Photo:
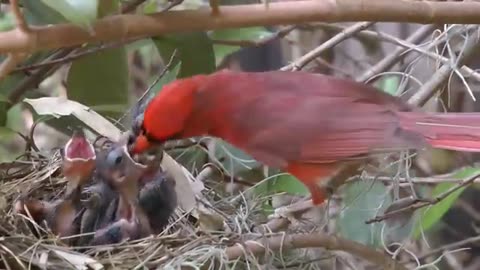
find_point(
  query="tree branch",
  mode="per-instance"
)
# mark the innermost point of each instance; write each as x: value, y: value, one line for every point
x: 120, y: 27
x: 391, y: 59
x: 330, y: 242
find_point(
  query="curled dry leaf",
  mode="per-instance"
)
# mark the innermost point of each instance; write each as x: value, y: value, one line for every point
x: 186, y: 185
x: 58, y: 107
x: 188, y: 188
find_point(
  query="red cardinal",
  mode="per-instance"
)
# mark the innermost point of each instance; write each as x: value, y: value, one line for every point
x: 310, y: 125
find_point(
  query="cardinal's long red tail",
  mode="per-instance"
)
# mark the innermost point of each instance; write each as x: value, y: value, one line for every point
x: 453, y: 131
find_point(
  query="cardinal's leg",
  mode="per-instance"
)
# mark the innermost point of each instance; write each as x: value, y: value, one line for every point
x: 322, y: 180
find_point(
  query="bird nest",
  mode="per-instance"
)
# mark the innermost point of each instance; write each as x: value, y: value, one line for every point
x: 208, y: 239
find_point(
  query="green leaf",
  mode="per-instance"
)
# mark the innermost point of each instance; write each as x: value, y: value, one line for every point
x: 100, y: 79
x: 234, y: 160
x: 290, y: 184
x: 3, y: 98
x: 3, y: 113
x: 390, y: 85
x: 194, y: 51
x: 249, y: 33
x: 107, y: 7
x: 6, y: 134
x: 36, y: 12
x: 5, y: 87
x: 430, y: 215
x: 80, y: 12
x: 363, y: 200
x: 7, y: 22
x: 150, y: 7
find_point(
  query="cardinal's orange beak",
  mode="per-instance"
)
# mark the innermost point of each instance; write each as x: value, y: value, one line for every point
x: 141, y: 144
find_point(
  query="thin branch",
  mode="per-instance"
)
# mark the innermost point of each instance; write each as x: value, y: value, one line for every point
x: 22, y: 28
x: 149, y: 89
x: 296, y: 241
x: 256, y: 43
x: 416, y: 180
x: 467, y: 72
x: 172, y: 4
x: 312, y: 55
x: 34, y: 79
x: 120, y: 27
x: 448, y: 247
x: 131, y: 6
x: 74, y: 56
x: 420, y: 203
x: 390, y: 60
x: 431, y: 86
x: 10, y: 63
x: 215, y: 6
x: 19, y: 18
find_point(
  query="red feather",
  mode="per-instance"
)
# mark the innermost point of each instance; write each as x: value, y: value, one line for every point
x: 301, y: 122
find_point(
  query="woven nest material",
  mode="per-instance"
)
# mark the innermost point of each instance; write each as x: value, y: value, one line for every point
x: 186, y: 242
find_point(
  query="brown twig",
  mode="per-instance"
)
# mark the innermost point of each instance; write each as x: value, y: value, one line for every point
x: 214, y: 5
x: 140, y: 100
x: 131, y: 6
x: 10, y: 63
x: 256, y: 43
x: 390, y: 60
x: 420, y: 203
x: 172, y: 4
x: 417, y: 180
x: 34, y: 79
x: 23, y: 30
x: 119, y: 27
x: 74, y: 56
x: 442, y: 74
x: 312, y: 55
x: 296, y: 241
x: 19, y: 19
x: 447, y: 247
x: 466, y: 71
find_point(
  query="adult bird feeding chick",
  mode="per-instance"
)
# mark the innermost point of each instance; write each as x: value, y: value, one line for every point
x: 312, y: 126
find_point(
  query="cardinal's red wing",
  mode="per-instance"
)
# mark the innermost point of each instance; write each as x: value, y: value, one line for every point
x: 325, y: 120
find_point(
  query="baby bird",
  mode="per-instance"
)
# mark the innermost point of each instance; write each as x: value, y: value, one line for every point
x: 62, y: 215
x: 158, y: 199
x: 131, y: 221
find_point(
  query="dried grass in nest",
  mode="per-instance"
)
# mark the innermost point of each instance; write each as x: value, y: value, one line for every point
x: 182, y: 244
